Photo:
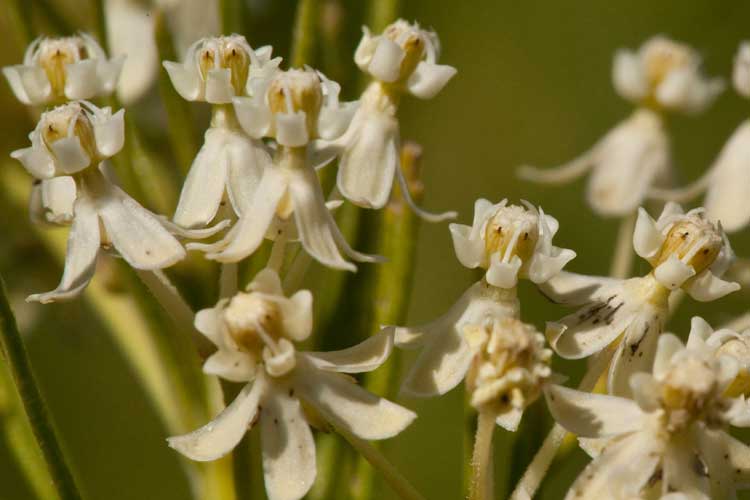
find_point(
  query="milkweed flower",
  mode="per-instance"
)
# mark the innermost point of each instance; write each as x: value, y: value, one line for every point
x: 672, y: 437
x: 229, y: 164
x: 662, y: 75
x: 403, y: 59
x: 510, y: 368
x: 56, y: 70
x: 685, y: 250
x: 74, y: 140
x: 292, y: 107
x: 509, y: 242
x: 254, y: 333
x: 51, y: 200
x: 726, y: 181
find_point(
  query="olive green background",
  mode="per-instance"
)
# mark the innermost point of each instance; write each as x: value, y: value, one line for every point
x: 533, y: 86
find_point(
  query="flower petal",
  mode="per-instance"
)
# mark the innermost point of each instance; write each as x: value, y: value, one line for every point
x: 429, y: 79
x: 16, y: 84
x: 636, y: 352
x: 109, y: 72
x: 727, y: 459
x: 80, y: 258
x: 137, y: 233
x: 247, y: 160
x: 234, y: 366
x: 254, y: 117
x: 726, y: 199
x: 370, y: 159
x: 683, y: 470
x: 110, y: 134
x: 575, y: 289
x: 81, y: 81
x: 130, y: 30
x: 592, y: 415
x: 363, y: 357
x: 37, y: 161
x: 221, y: 435
x: 628, y: 77
x: 666, y: 348
x: 186, y: 81
x: 289, y: 466
x: 334, y: 121
x: 58, y: 198
x: 347, y: 405
x: 647, y: 239
x: 510, y: 419
x: 298, y: 315
x: 35, y: 83
x: 249, y: 231
x: 291, y: 129
x: 70, y: 157
x: 205, y: 183
x: 707, y: 287
x: 420, y: 212
x: 542, y: 267
x: 219, y: 86
x: 208, y: 321
x: 672, y: 273
x: 700, y: 331
x: 468, y: 251
x: 385, y: 64
x: 503, y: 274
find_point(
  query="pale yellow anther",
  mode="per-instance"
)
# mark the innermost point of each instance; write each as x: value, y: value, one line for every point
x: 694, y: 240
x: 252, y: 321
x: 512, y: 231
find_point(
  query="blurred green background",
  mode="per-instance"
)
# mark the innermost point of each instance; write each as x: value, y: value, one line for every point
x: 533, y: 87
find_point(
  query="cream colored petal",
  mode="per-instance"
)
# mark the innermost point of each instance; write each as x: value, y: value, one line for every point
x: 628, y: 77
x: 219, y: 88
x: 469, y: 252
x: 673, y: 273
x: 108, y: 73
x: 503, y: 274
x: 728, y: 200
x: 205, y: 184
x: 727, y: 459
x: 543, y: 267
x: 208, y: 321
x: 385, y: 64
x: 636, y: 351
x: 646, y: 391
x: 110, y: 134
x: 136, y: 233
x: 223, y: 433
x: 575, y: 289
x: 289, y: 466
x: 70, y: 157
x: 700, y: 331
x: 420, y: 212
x: 81, y: 80
x: 267, y: 281
x: 668, y: 345
x: 234, y: 366
x: 80, y: 257
x: 647, y: 238
x: 741, y: 70
x: 247, y: 160
x: 683, y: 470
x: 35, y: 83
x: 254, y: 116
x: 707, y: 287
x: 186, y: 81
x: 291, y: 129
x: 510, y: 419
x: 429, y: 79
x: 58, y: 197
x: 365, y: 49
x: 334, y: 121
x: 349, y: 406
x: 363, y: 357
x: 593, y: 415
x: 368, y: 164
x: 16, y: 84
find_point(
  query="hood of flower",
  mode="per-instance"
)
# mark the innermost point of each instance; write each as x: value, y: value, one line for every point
x: 54, y: 54
x: 510, y: 366
x: 413, y: 41
x: 512, y: 231
x: 69, y: 120
x: 226, y: 52
x: 252, y: 320
x: 693, y: 239
x: 295, y: 91
x: 662, y: 56
x: 736, y: 346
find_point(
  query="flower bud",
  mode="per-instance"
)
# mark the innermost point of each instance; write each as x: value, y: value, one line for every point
x: 251, y: 319
x: 694, y: 240
x: 512, y: 231
x: 510, y: 366
x: 296, y: 91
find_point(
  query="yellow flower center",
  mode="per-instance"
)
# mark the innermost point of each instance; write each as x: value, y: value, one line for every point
x: 663, y: 56
x: 295, y: 91
x: 512, y: 231
x: 55, y: 54
x: 694, y: 240
x: 411, y: 40
x: 226, y: 53
x: 67, y: 121
x: 252, y: 321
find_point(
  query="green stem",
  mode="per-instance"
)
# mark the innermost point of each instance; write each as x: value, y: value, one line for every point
x: 100, y: 22
x: 18, y: 17
x: 57, y: 21
x: 36, y: 411
x: 303, y: 36
x: 382, y: 13
x: 232, y: 16
x: 481, y: 487
x: 622, y: 260
x: 398, y: 483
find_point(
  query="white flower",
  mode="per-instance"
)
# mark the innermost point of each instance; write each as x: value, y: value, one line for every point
x: 74, y: 140
x: 509, y: 370
x: 216, y: 69
x: 665, y: 74
x: 61, y: 69
x: 672, y: 437
x: 508, y: 241
x: 51, y: 200
x: 130, y: 30
x: 626, y: 163
x: 685, y: 250
x: 293, y: 109
x: 401, y: 60
x: 254, y: 332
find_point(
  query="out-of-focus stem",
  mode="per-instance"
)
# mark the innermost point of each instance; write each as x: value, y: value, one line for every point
x: 623, y: 257
x: 482, y: 484
x: 398, y: 483
x: 232, y: 16
x: 382, y: 13
x: 100, y: 16
x: 303, y: 35
x: 15, y: 356
x: 182, y: 137
x: 538, y: 467
x: 52, y: 13
x: 276, y: 260
x: 228, y: 280
x: 18, y: 18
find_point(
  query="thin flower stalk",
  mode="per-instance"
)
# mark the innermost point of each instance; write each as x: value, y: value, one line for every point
x: 303, y: 33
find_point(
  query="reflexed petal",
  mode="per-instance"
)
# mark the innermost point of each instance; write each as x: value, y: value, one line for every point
x: 726, y: 199
x: 468, y: 251
x: 593, y: 415
x: 288, y: 448
x: 700, y: 331
x: 80, y: 258
x: 543, y: 267
x: 683, y: 471
x: 291, y: 129
x: 636, y: 352
x: 727, y: 459
x: 81, y: 81
x: 646, y: 391
x: 232, y: 365
x: 219, y: 86
x: 420, y: 212
x: 576, y: 289
x: 58, y: 197
x: 627, y: 76
x: 16, y: 85
x: 110, y: 134
x: 186, y: 81
x: 255, y: 118
x: 70, y: 157
x: 429, y: 79
x: 36, y: 160
x: 349, y: 406
x: 672, y: 273
x: 208, y: 322
x: 204, y: 187
x: 369, y: 161
x: 221, y: 435
x: 247, y: 159
x: 621, y: 471
x: 109, y: 72
x: 298, y: 315
x: 363, y: 357
x: 35, y: 83
x: 503, y: 274
x: 334, y: 122
x: 365, y: 49
x: 666, y: 348
x: 707, y: 287
x: 647, y: 238
x: 249, y: 231
x: 136, y: 233
x: 385, y: 64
